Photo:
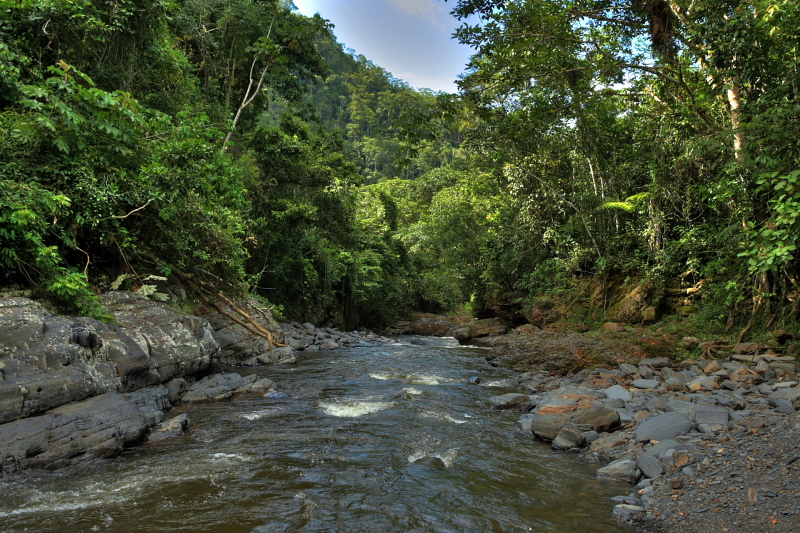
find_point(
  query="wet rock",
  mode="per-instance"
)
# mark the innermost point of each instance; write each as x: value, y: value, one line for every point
x: 475, y: 380
x: 664, y: 426
x: 221, y: 387
x: 170, y: 429
x: 96, y: 428
x: 621, y: 470
x: 430, y: 461
x: 569, y: 437
x: 511, y: 401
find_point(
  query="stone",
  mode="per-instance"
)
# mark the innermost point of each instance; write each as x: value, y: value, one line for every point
x: 568, y: 438
x: 618, y: 392
x: 748, y: 348
x: 429, y: 328
x: 628, y: 369
x: 564, y: 407
x: 701, y: 413
x: 623, y: 470
x: 170, y: 429
x: 650, y: 466
x: 645, y: 383
x: 655, y: 362
x: 614, y: 327
x: 690, y: 343
x: 663, y: 426
x: 625, y: 511
x: 663, y: 446
x: 219, y: 387
x: 511, y: 400
x: 479, y: 328
x: 649, y: 315
x: 703, y: 383
x: 96, y: 428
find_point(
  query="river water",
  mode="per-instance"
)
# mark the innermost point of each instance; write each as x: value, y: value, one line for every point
x: 387, y: 438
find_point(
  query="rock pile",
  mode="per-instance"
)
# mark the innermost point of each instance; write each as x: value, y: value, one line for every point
x: 670, y: 427
x: 309, y: 338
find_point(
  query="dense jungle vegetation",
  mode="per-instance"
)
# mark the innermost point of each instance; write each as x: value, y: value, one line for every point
x: 598, y: 151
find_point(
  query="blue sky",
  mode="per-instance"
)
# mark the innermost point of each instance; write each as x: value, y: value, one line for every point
x: 409, y: 38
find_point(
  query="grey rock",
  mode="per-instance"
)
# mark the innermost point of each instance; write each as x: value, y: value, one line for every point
x: 170, y: 429
x: 618, y: 392
x: 664, y: 426
x: 219, y: 387
x: 655, y: 362
x: 96, y: 428
x: 569, y: 437
x: 511, y: 401
x: 628, y: 369
x: 662, y: 447
x: 645, y: 383
x: 621, y: 470
x: 649, y: 465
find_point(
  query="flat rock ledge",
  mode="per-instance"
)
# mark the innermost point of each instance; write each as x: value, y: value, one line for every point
x: 710, y: 445
x: 73, y: 389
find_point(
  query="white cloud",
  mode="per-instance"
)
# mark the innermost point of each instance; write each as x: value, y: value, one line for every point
x: 428, y: 9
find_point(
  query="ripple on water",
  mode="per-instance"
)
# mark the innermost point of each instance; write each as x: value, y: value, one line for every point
x: 354, y: 408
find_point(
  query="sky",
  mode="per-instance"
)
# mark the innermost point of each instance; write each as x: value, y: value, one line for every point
x: 409, y: 38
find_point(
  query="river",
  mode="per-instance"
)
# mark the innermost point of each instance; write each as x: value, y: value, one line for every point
x: 387, y: 438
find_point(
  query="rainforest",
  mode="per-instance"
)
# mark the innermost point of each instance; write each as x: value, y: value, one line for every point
x: 620, y: 160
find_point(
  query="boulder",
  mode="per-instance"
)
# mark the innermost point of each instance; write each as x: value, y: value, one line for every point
x: 567, y: 406
x: 650, y: 466
x: 621, y: 470
x: 664, y: 426
x: 222, y: 386
x: 516, y: 401
x: 479, y: 328
x: 429, y: 328
x: 569, y: 437
x: 618, y: 392
x: 95, y: 428
x: 170, y: 429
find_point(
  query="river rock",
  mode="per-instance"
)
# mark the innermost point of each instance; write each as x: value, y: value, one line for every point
x: 621, y: 470
x: 664, y: 426
x: 95, y: 428
x: 649, y: 465
x: 517, y: 401
x: 618, y: 392
x: 569, y: 437
x: 479, y: 328
x: 237, y: 343
x: 645, y: 383
x: 223, y: 386
x: 170, y: 429
x: 429, y: 327
x: 566, y: 407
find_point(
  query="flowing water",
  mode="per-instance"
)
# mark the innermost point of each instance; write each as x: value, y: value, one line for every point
x: 387, y: 438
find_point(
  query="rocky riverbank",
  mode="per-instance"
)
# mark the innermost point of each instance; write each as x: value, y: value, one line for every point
x: 707, y: 444
x: 74, y: 390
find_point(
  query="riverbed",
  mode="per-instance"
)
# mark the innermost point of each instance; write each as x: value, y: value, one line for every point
x: 388, y: 438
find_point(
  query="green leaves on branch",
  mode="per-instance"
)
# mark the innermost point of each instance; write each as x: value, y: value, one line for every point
x: 774, y: 242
